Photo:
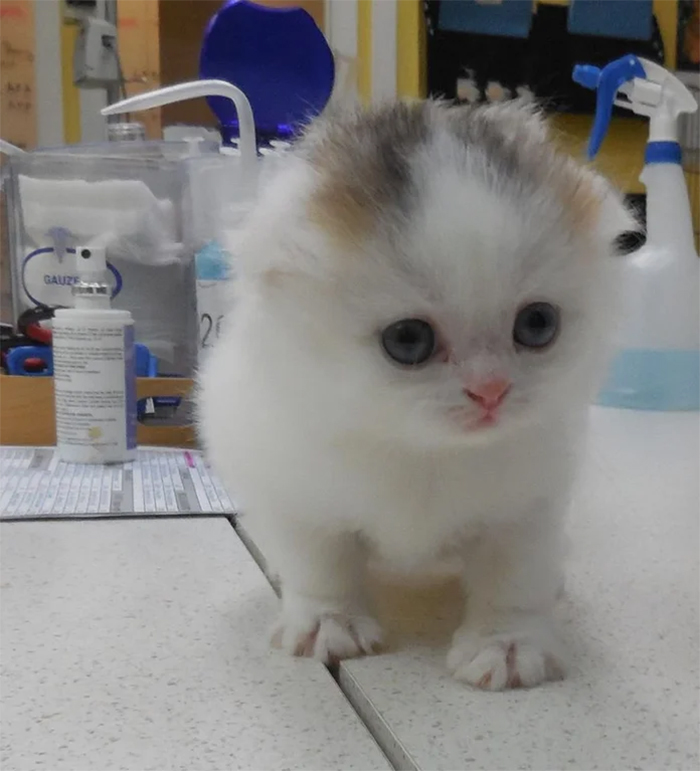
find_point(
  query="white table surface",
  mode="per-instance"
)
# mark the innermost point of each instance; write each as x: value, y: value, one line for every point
x: 630, y: 616
x: 142, y: 644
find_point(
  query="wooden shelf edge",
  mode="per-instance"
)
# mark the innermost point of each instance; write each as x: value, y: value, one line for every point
x: 27, y: 412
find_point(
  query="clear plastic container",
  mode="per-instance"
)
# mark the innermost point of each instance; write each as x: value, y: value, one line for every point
x: 218, y: 199
x: 125, y: 196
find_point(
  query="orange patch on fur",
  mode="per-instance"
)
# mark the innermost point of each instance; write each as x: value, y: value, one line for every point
x: 585, y: 204
x: 580, y: 196
x: 338, y: 208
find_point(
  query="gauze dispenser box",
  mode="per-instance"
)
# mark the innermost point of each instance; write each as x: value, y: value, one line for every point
x: 658, y: 363
x: 221, y: 189
x: 127, y: 198
x: 284, y: 74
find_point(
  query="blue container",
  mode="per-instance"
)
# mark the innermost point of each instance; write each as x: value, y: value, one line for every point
x: 278, y: 57
x: 658, y: 380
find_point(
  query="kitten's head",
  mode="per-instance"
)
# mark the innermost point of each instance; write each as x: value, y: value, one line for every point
x: 433, y: 274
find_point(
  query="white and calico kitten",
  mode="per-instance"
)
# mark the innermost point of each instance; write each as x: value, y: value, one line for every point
x: 423, y: 299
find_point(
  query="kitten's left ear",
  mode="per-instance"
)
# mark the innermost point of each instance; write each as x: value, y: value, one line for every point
x: 520, y: 120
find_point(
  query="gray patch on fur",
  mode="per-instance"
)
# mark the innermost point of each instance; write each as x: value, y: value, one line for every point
x: 510, y: 139
x: 373, y: 151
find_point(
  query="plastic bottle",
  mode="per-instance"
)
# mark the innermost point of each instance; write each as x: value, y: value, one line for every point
x: 94, y: 370
x: 131, y: 131
x: 658, y: 364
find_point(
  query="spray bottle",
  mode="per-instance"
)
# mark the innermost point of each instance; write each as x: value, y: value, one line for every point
x: 94, y: 370
x: 658, y: 365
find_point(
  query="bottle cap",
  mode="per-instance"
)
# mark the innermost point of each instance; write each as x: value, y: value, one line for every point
x: 132, y: 131
x: 91, y: 290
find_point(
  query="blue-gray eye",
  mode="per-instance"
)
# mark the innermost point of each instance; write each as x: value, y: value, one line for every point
x: 409, y: 342
x: 536, y: 325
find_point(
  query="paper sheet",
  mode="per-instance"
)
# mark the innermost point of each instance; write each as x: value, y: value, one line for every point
x: 34, y: 483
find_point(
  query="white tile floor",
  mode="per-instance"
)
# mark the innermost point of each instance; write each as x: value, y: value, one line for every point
x: 630, y: 615
x: 142, y: 644
x: 137, y: 644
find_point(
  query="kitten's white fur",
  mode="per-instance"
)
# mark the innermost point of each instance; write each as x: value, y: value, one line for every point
x: 336, y: 453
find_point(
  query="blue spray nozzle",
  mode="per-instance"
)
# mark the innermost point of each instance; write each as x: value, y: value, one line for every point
x: 587, y: 75
x: 606, y: 82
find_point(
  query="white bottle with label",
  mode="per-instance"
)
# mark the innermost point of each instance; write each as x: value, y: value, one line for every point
x: 94, y: 370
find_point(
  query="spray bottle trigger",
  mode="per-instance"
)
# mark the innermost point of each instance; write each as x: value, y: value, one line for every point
x: 607, y: 83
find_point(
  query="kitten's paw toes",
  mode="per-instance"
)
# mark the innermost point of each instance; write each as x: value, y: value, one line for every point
x: 329, y: 637
x: 504, y: 661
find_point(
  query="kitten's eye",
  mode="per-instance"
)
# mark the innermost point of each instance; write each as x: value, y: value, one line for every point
x: 409, y: 342
x: 536, y: 325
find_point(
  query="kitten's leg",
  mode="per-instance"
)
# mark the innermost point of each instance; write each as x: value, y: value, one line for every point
x: 323, y: 612
x: 513, y: 580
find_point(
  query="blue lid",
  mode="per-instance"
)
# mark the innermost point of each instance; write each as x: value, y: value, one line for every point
x: 606, y: 82
x: 277, y: 56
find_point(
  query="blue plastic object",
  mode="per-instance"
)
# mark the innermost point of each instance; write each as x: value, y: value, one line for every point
x: 277, y: 56
x: 16, y: 360
x: 663, y: 152
x: 606, y: 82
x: 212, y: 263
x: 146, y: 362
x: 509, y: 19
x: 629, y: 19
x: 654, y: 380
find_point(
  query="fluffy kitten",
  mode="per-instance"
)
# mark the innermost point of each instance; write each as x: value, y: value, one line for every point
x: 418, y: 322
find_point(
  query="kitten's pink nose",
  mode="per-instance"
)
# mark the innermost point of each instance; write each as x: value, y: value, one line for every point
x: 489, y: 393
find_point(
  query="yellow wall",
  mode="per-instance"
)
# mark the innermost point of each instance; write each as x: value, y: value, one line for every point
x: 364, y: 49
x: 71, y: 95
x: 621, y: 157
x: 411, y: 65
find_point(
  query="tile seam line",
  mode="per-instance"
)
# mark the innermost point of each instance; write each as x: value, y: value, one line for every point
x: 334, y: 673
x: 130, y: 517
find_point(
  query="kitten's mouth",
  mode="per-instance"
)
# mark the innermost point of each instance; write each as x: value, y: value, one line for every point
x: 469, y: 422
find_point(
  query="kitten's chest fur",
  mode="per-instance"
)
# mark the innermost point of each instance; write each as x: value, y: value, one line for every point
x: 413, y: 508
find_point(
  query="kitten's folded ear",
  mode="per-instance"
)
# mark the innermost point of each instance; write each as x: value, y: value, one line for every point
x: 594, y: 206
x: 614, y: 218
x: 595, y: 209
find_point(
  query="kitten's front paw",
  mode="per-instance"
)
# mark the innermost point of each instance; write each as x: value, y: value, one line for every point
x: 328, y: 637
x: 505, y: 660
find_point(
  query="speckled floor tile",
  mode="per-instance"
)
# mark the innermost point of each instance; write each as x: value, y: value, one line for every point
x: 630, y: 616
x: 143, y: 645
